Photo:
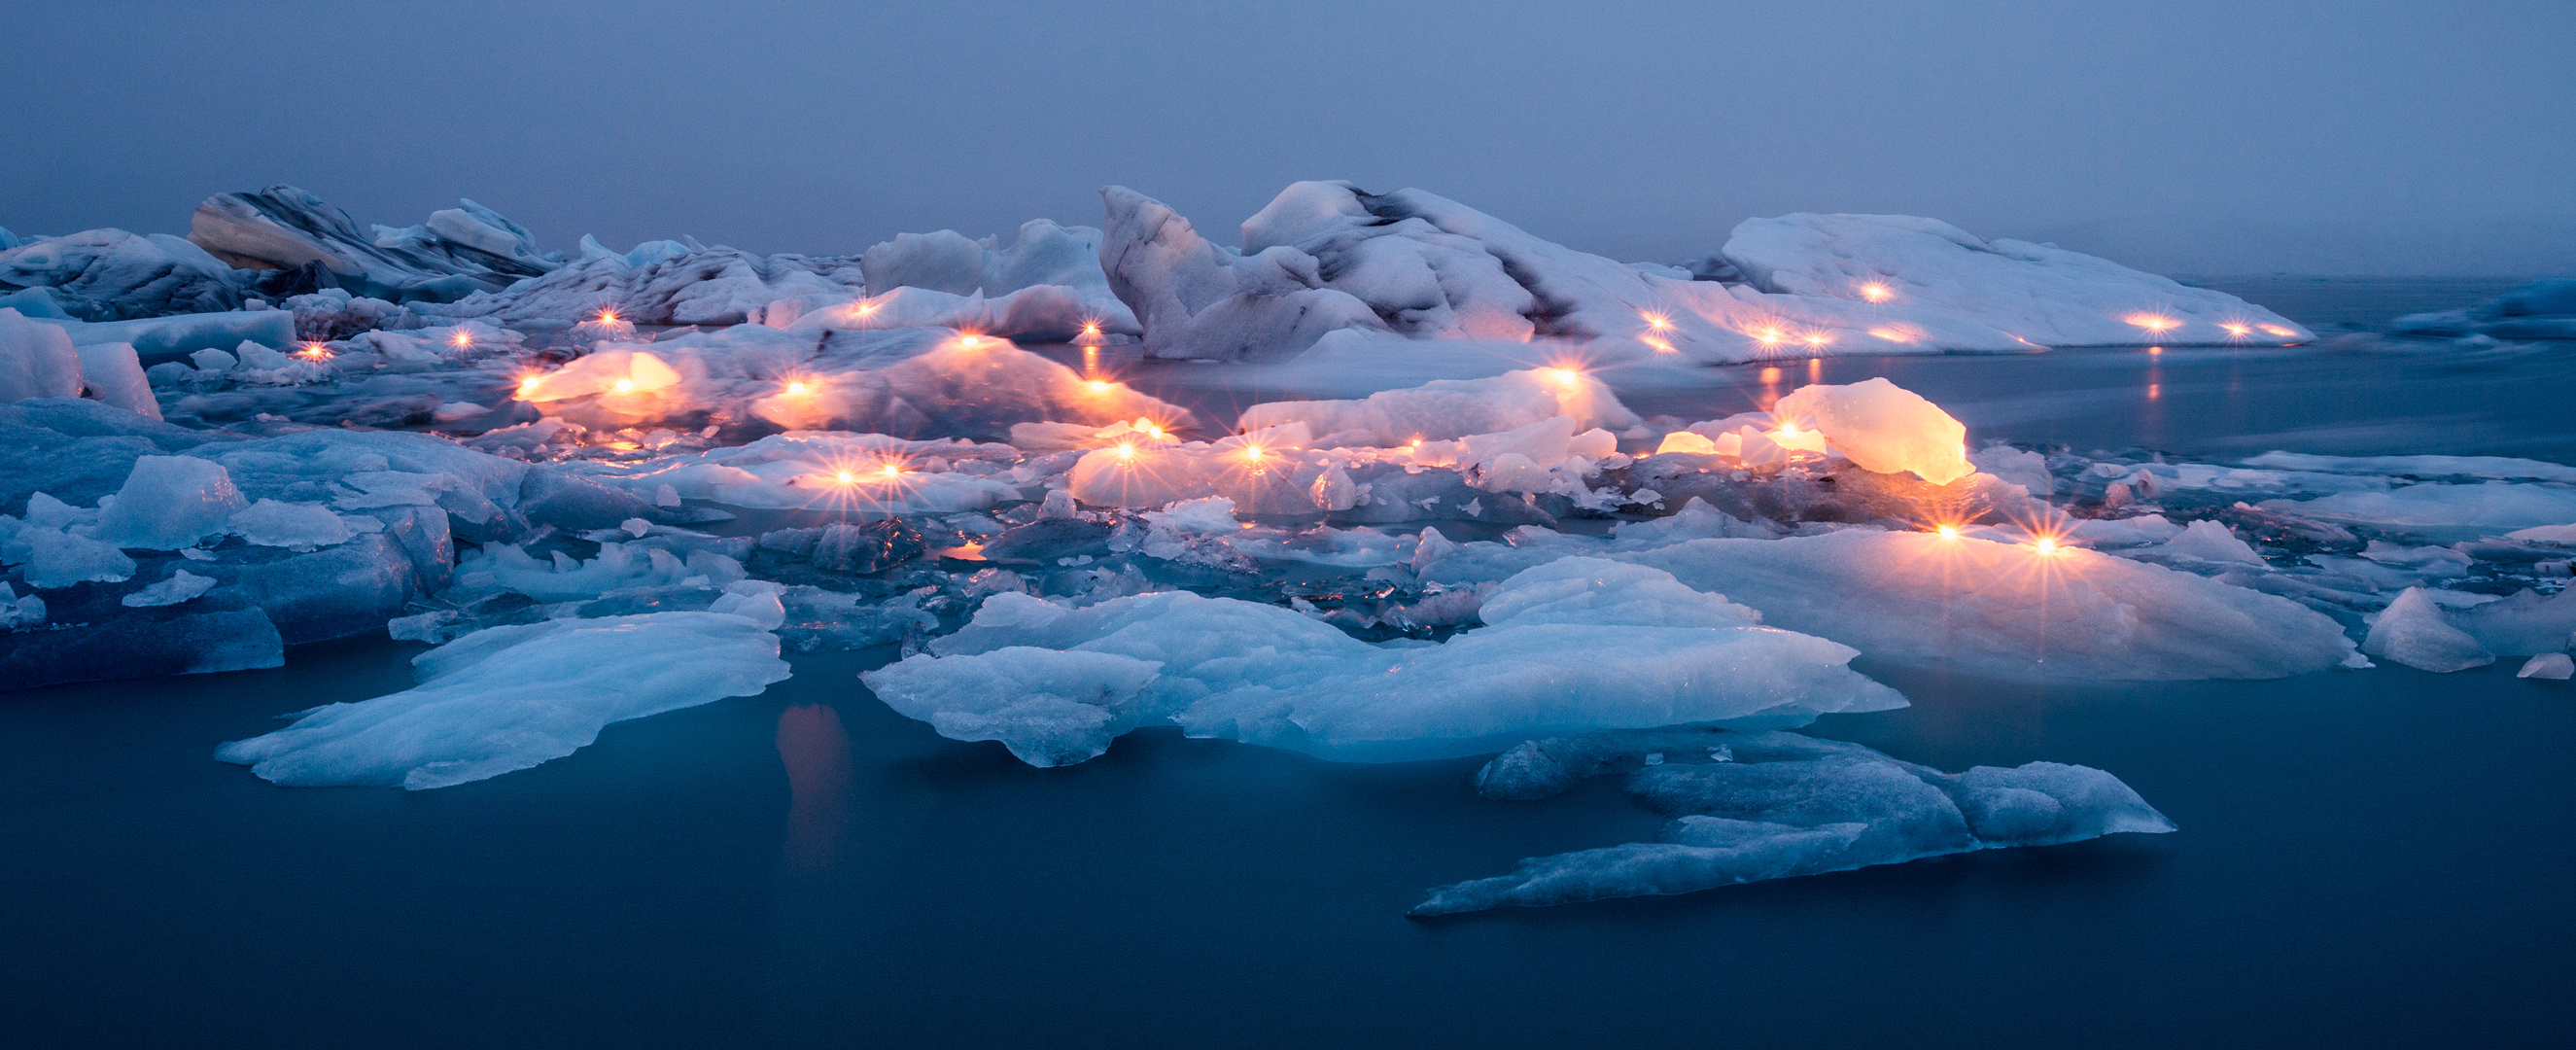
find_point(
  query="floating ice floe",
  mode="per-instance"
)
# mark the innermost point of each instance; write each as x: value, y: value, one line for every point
x: 1749, y: 806
x: 2004, y: 608
x: 509, y: 698
x: 1056, y: 685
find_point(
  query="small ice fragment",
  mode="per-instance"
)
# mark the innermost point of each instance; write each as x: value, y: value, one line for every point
x: 2553, y: 666
x: 636, y: 527
x: 181, y: 586
x: 1654, y: 758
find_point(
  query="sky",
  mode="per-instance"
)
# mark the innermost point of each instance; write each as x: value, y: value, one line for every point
x: 2241, y: 137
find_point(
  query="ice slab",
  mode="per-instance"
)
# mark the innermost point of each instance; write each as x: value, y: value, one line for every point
x: 2544, y: 309
x: 2003, y: 608
x: 459, y: 251
x: 509, y: 698
x: 2442, y: 510
x: 112, y: 275
x: 1749, y: 806
x: 1579, y: 645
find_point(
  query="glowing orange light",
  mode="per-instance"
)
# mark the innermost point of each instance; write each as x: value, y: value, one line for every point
x: 892, y: 471
x: 2240, y: 331
x: 1153, y: 430
x: 1126, y: 452
x: 1658, y: 322
x: 1875, y: 292
x: 2284, y: 333
x: 527, y: 386
x: 1948, y: 532
x: 608, y: 317
x: 1768, y: 336
x: 797, y: 389
x: 462, y: 339
x: 2047, y: 546
x: 1660, y: 346
x: 970, y: 341
x: 1818, y: 339
x: 1091, y: 330
x: 1252, y: 453
x: 845, y: 478
x: 1417, y: 443
x: 2157, y: 323
x: 1564, y: 376
x: 625, y: 385
x: 1889, y: 334
x: 1099, y: 387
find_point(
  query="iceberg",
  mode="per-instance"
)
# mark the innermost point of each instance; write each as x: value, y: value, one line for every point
x: 2412, y: 631
x: 1572, y: 646
x: 112, y: 275
x: 284, y: 228
x: 1327, y: 257
x: 1749, y: 806
x: 1882, y: 427
x: 36, y: 360
x: 509, y: 698
x: 1917, y: 270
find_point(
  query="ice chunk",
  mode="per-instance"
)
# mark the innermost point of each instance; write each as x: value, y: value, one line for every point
x: 1882, y: 427
x: 1769, y: 805
x: 181, y: 586
x: 113, y: 374
x: 2210, y: 541
x: 296, y: 526
x: 845, y: 472
x: 1454, y: 408
x: 2523, y: 623
x: 169, y: 502
x: 93, y: 637
x: 2412, y: 631
x: 2026, y: 469
x: 2556, y: 667
x: 508, y: 698
x: 36, y: 359
x: 57, y: 559
x: 1056, y: 685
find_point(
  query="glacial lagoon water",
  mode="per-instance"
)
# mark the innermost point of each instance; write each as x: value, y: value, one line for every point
x: 2366, y: 859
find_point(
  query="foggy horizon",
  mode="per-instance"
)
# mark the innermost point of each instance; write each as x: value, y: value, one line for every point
x: 2391, y: 139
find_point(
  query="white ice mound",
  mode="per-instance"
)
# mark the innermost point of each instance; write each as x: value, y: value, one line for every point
x: 2209, y: 541
x: 1326, y: 257
x: 1454, y: 408
x: 509, y: 698
x: 2040, y: 293
x: 1580, y: 645
x: 1768, y: 805
x: 1882, y: 427
x: 2412, y: 631
x: 2008, y: 608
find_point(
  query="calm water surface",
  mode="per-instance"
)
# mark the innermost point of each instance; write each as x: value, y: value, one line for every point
x: 2372, y: 859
